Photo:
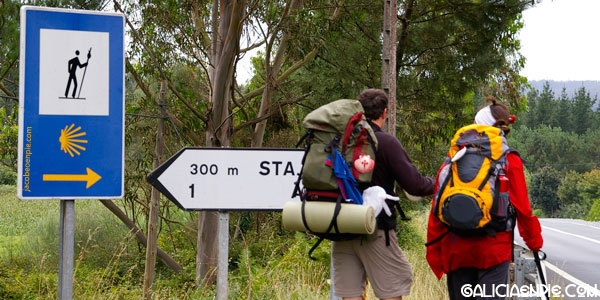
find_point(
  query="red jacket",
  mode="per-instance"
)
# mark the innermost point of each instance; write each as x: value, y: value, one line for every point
x: 453, y: 252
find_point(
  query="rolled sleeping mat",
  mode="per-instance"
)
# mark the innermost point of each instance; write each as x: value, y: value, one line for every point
x: 353, y: 218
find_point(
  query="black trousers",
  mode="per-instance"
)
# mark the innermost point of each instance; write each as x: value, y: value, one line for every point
x: 481, y: 281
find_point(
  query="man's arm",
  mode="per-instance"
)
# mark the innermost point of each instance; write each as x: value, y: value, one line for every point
x: 404, y: 171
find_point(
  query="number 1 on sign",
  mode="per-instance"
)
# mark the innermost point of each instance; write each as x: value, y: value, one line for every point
x: 192, y: 190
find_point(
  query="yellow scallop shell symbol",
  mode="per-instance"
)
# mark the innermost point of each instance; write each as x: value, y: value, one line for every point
x: 67, y: 140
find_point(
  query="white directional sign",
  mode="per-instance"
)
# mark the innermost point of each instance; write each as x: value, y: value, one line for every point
x: 229, y: 178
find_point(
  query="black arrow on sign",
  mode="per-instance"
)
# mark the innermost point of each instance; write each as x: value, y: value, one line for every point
x: 153, y: 178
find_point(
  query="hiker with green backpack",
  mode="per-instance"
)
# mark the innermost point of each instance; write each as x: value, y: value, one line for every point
x: 379, y: 258
x: 480, y: 195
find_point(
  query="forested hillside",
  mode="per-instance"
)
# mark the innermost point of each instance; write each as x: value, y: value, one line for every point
x: 558, y: 137
x: 571, y: 87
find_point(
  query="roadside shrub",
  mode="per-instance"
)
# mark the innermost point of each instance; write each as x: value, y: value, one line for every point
x: 7, y: 176
x: 573, y: 211
x: 594, y: 214
x: 538, y: 212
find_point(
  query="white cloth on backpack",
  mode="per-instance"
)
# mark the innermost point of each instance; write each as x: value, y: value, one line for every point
x: 484, y: 117
x: 375, y: 197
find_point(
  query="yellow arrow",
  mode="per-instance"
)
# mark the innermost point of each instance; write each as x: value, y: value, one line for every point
x: 91, y: 177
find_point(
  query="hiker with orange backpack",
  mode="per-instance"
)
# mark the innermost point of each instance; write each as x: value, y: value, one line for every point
x: 380, y: 259
x: 480, y: 191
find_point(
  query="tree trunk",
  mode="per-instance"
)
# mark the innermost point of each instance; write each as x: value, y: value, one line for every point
x: 151, y: 246
x: 139, y: 236
x: 405, y: 20
x: 271, y: 74
x: 219, y: 127
x: 388, y: 72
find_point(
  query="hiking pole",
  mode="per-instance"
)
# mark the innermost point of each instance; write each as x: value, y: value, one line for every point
x: 538, y: 263
x: 84, y: 70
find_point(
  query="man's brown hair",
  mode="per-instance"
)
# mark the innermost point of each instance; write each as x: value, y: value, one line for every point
x: 374, y: 102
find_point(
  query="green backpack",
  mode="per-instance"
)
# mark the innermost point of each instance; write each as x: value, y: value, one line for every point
x: 342, y: 126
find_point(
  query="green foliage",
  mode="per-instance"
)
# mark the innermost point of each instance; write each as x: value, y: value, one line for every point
x: 8, y: 136
x: 7, y: 176
x: 574, y: 115
x: 9, y: 36
x: 568, y: 191
x: 589, y: 186
x: 594, y: 213
x: 542, y: 190
x: 573, y: 211
x: 544, y: 106
x: 582, y: 114
x: 447, y: 55
x: 408, y: 236
x: 546, y: 145
x: 563, y: 133
x: 9, y: 84
x: 562, y: 114
x: 538, y: 212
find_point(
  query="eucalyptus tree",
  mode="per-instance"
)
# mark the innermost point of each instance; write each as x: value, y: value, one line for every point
x: 204, y: 38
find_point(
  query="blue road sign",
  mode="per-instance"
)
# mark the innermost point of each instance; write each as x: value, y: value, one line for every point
x: 71, y: 104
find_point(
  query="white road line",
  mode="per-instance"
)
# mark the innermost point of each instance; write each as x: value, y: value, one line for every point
x: 572, y: 222
x: 572, y: 234
x: 571, y: 278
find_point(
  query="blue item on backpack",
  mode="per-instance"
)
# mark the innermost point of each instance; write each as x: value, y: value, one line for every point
x: 346, y: 181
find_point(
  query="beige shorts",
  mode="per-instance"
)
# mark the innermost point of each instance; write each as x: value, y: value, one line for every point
x: 388, y: 269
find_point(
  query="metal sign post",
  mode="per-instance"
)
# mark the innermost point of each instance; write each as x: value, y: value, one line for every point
x: 223, y: 256
x: 71, y: 137
x: 66, y: 245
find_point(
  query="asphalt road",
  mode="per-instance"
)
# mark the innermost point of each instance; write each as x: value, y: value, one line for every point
x: 573, y: 253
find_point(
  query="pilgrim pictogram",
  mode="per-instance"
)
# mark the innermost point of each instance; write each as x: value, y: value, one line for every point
x: 73, y: 64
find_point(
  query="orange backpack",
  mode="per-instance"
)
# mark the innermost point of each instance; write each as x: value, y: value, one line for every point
x: 472, y: 195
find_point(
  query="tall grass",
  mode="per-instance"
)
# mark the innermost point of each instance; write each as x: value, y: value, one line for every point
x: 265, y: 261
x: 426, y: 286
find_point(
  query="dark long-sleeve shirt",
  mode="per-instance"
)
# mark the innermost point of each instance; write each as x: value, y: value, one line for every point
x: 393, y: 164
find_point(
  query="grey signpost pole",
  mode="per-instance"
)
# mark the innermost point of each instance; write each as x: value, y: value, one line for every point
x: 66, y: 248
x: 223, y: 256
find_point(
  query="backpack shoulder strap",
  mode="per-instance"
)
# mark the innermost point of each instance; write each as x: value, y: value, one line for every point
x: 439, y: 238
x: 440, y: 191
x: 305, y: 138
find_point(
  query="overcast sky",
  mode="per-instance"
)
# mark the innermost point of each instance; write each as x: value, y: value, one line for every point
x: 560, y: 40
